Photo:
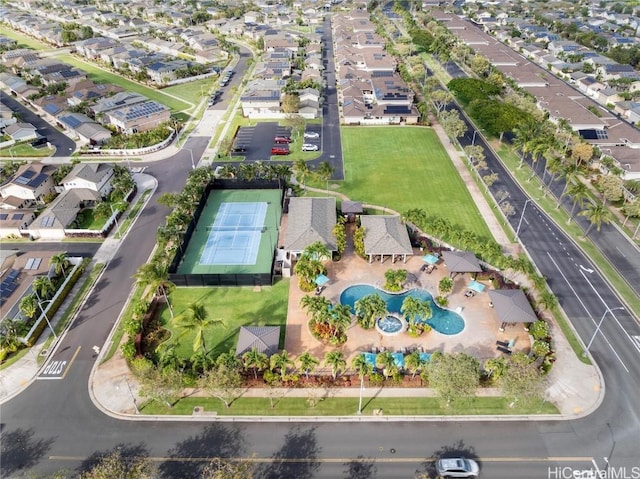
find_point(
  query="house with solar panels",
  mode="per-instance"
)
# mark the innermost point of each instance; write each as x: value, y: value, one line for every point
x: 14, y: 221
x: 29, y: 185
x: 138, y: 117
x: 84, y: 128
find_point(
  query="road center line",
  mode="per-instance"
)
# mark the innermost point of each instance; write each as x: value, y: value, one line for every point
x: 73, y: 358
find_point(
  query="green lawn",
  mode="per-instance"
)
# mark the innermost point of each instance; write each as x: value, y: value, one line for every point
x: 25, y: 149
x: 403, y: 168
x: 192, y: 91
x: 236, y: 306
x: 423, y: 406
x: 86, y: 220
x: 99, y: 75
x: 24, y: 41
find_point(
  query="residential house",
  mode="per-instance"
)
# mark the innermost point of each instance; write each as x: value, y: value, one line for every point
x: 261, y: 98
x: 90, y: 176
x: 21, y: 132
x: 138, y: 117
x: 12, y: 222
x: 30, y: 183
x: 84, y: 127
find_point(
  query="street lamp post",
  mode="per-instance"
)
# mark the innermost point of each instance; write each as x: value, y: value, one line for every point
x: 44, y: 313
x: 522, y: 214
x: 115, y: 217
x: 133, y: 398
x: 360, y: 400
x: 608, y: 310
x: 193, y: 165
x: 473, y: 140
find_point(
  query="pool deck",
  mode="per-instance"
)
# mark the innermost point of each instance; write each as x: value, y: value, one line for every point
x: 478, y: 337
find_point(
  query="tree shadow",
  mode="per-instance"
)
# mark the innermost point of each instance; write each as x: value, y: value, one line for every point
x: 130, y: 451
x: 457, y: 449
x: 296, y: 458
x: 361, y: 468
x: 21, y: 450
x: 189, y: 457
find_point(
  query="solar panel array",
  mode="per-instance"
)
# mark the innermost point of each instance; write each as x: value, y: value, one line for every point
x: 33, y: 263
x: 144, y: 109
x: 71, y: 120
x: 47, y: 221
x: 8, y: 285
x: 3, y: 216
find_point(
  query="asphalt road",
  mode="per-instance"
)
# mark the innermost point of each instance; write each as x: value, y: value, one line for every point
x: 53, y: 424
x: 63, y: 144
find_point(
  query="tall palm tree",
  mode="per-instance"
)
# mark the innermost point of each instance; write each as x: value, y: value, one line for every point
x: 301, y: 171
x: 314, y: 305
x: 196, y: 319
x: 362, y: 366
x: 413, y: 308
x: 596, y: 213
x: 255, y: 360
x: 339, y: 318
x: 548, y: 300
x: 281, y: 361
x: 387, y: 363
x: 43, y: 287
x: 579, y: 193
x: 29, y: 306
x: 570, y: 174
x: 307, y: 362
x: 156, y: 275
x: 324, y: 172
x: 60, y: 262
x: 414, y: 363
x: 369, y: 308
x: 335, y: 359
x: 317, y: 251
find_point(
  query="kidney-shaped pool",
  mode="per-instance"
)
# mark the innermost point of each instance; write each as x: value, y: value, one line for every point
x: 444, y: 321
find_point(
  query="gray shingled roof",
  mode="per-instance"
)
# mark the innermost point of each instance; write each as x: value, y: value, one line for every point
x: 512, y: 306
x: 93, y: 172
x: 310, y: 220
x: 264, y: 338
x: 461, y: 262
x: 385, y: 235
x: 351, y: 207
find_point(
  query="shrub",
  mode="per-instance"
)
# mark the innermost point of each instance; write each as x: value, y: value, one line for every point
x: 540, y: 348
x: 442, y: 301
x: 539, y: 329
x: 376, y: 379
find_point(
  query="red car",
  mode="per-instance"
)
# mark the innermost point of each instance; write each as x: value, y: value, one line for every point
x: 280, y: 150
x: 282, y: 139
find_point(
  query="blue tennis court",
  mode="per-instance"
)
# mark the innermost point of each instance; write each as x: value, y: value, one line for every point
x: 234, y: 237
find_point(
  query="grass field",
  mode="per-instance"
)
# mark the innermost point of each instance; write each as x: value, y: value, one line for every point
x: 99, y: 75
x: 403, y: 168
x: 25, y: 149
x: 192, y: 91
x: 24, y: 41
x: 236, y: 306
x: 88, y: 221
x: 423, y: 406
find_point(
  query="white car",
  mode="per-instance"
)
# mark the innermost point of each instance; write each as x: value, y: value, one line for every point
x: 309, y: 147
x: 311, y: 134
x: 457, y: 467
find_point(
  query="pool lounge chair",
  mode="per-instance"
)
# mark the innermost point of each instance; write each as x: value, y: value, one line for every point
x: 504, y: 344
x: 504, y: 350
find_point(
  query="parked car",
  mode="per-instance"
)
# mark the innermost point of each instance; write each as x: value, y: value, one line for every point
x: 39, y: 141
x: 311, y: 134
x: 280, y: 150
x: 457, y: 467
x: 282, y: 139
x: 240, y: 148
x: 309, y: 147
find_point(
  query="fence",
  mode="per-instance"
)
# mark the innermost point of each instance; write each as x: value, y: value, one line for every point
x: 136, y: 151
x: 226, y: 279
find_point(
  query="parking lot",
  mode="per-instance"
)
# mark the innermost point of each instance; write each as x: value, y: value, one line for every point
x: 254, y: 143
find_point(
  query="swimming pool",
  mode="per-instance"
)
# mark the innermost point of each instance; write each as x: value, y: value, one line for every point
x: 443, y: 320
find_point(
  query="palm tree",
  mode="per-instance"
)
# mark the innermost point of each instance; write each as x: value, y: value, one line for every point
x: 201, y: 361
x: 29, y: 306
x: 43, y: 287
x: 60, y: 262
x: 301, y: 171
x: 317, y: 251
x: 307, y: 362
x: 387, y: 363
x: 324, y: 172
x: 314, y: 305
x: 496, y: 367
x: 596, y: 213
x: 168, y: 357
x: 156, y: 276
x: 196, y: 319
x: 414, y: 363
x: 281, y: 361
x: 579, y: 194
x: 255, y: 360
x: 548, y: 300
x: 368, y: 309
x: 339, y: 318
x: 570, y: 174
x: 336, y: 360
x: 413, y: 308
x: 362, y: 366
x: 9, y: 336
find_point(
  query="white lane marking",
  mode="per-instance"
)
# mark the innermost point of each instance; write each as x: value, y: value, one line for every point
x: 587, y: 311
